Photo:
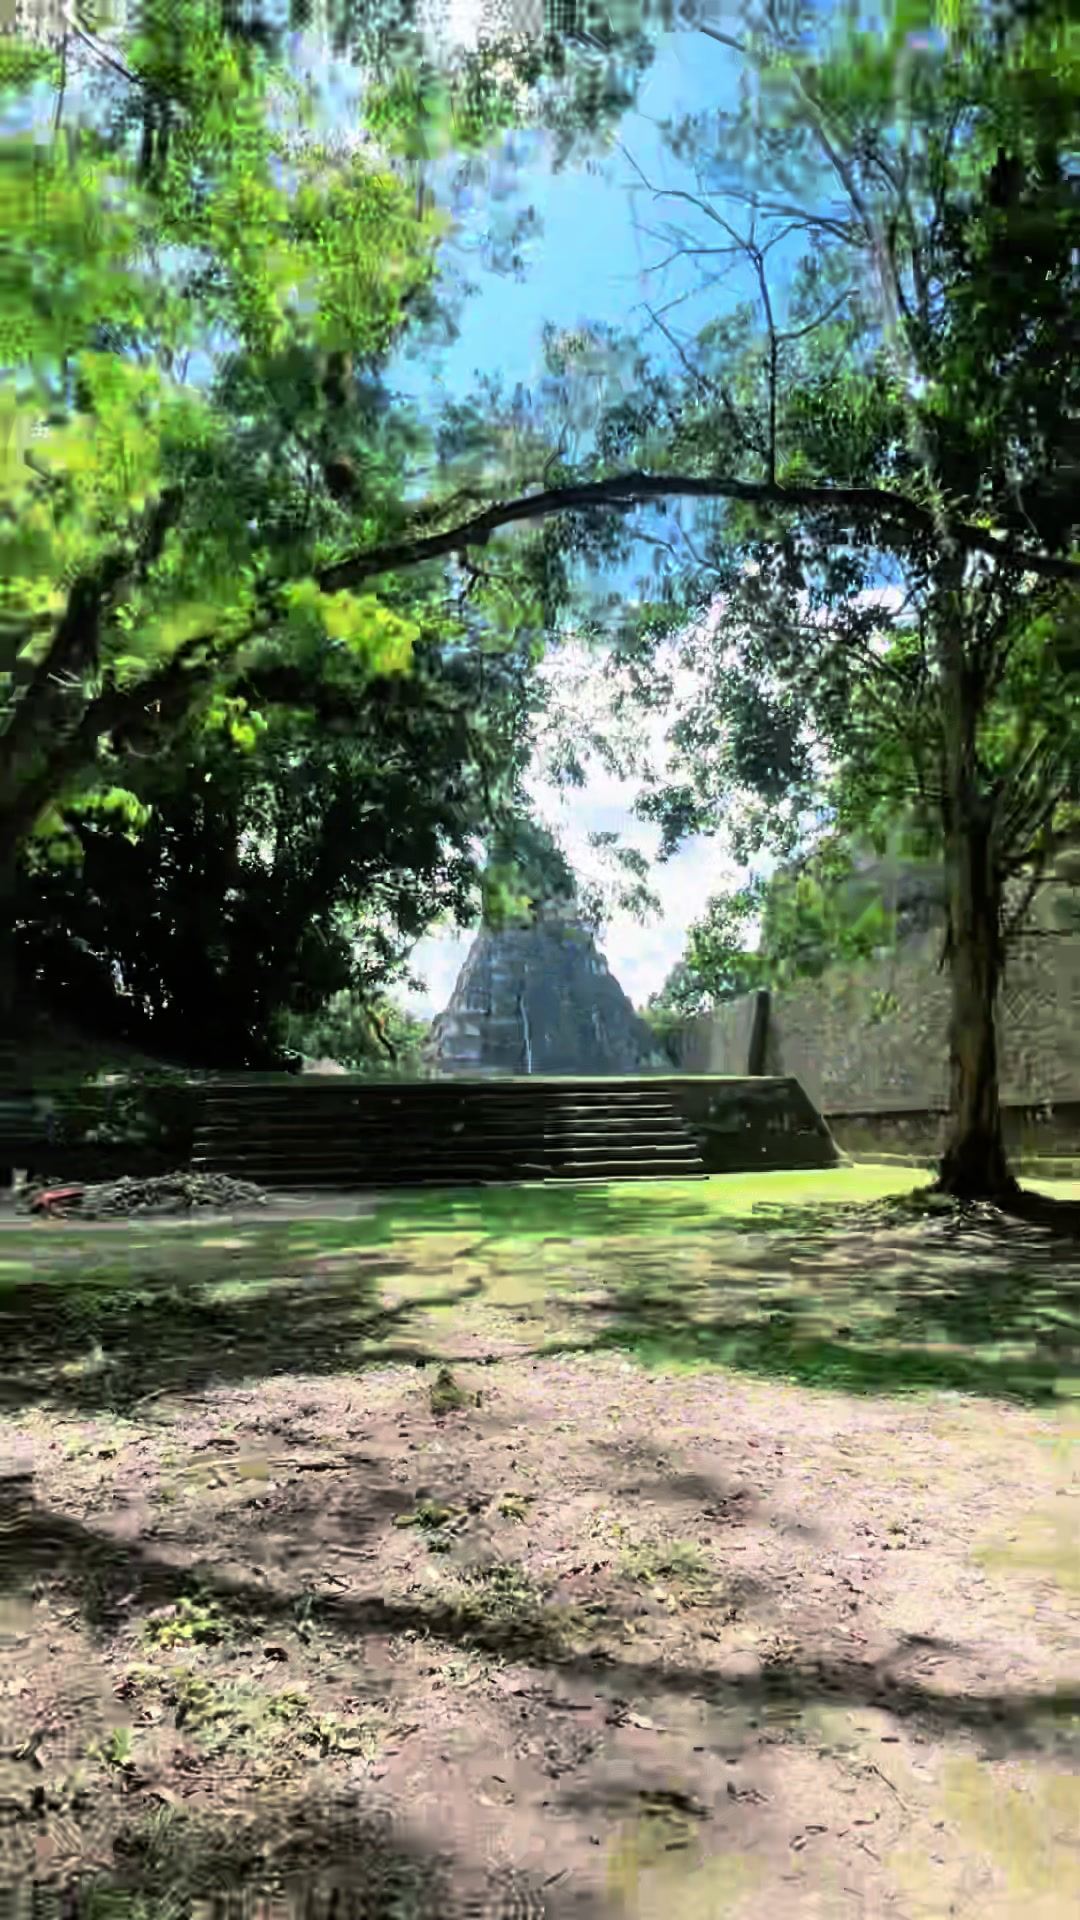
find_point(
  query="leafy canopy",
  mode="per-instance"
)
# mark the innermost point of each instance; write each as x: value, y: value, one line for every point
x: 125, y: 544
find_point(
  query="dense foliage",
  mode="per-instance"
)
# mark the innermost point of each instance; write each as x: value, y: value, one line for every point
x: 225, y: 795
x: 265, y: 883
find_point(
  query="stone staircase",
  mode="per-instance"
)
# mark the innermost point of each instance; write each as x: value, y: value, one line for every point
x: 343, y: 1133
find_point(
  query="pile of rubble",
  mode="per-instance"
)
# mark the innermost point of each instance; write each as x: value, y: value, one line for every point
x: 180, y: 1192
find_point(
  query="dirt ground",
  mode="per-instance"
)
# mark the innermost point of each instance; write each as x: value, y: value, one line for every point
x: 596, y: 1640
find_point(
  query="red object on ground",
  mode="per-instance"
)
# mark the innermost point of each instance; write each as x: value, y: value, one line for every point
x: 56, y: 1199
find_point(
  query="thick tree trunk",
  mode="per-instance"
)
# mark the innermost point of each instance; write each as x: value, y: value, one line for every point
x: 7, y: 1002
x: 975, y: 1165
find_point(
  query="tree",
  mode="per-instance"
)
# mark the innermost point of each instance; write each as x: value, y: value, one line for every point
x: 375, y: 1038
x: 938, y: 446
x: 143, y: 531
x: 145, y: 503
x: 572, y: 71
x: 973, y: 703
x: 125, y: 756
x: 267, y: 882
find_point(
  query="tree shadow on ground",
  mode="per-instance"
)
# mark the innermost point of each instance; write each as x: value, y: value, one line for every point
x: 1058, y: 1217
x: 982, y: 1305
x: 704, y: 1496
x: 107, y: 1335
x: 1020, y: 1720
x: 312, y: 1857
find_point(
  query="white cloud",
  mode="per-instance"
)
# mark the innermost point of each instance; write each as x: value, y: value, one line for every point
x: 449, y: 24
x: 639, y: 956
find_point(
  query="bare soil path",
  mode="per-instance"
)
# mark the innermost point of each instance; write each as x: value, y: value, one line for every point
x: 555, y: 1632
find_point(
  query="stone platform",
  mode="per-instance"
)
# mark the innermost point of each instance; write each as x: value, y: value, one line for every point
x: 343, y: 1134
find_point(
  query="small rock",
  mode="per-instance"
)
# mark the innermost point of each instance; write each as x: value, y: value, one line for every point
x: 742, y: 1664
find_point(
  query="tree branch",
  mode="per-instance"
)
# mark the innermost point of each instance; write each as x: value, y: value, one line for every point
x: 758, y: 260
x: 167, y: 695
x: 705, y: 565
x: 74, y: 649
x: 799, y: 332
x: 1038, y: 862
x: 631, y: 489
x: 73, y: 652
x: 800, y: 217
x: 110, y: 59
x: 708, y: 384
x: 894, y: 303
x: 680, y: 251
x: 1023, y: 817
x: 725, y: 39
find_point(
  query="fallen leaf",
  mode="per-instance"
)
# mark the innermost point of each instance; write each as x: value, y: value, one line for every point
x: 29, y: 1749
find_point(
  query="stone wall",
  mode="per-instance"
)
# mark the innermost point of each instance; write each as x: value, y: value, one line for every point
x: 874, y: 1035
x: 709, y: 1043
x: 1046, y: 1134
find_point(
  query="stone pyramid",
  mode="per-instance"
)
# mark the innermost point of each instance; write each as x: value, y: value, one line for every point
x: 540, y: 999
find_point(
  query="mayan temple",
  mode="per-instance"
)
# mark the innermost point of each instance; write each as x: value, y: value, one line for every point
x: 540, y: 1000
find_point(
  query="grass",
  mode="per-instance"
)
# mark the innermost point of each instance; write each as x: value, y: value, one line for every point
x: 681, y: 1562
x: 501, y: 1610
x: 191, y: 1622
x: 240, y: 1714
x: 778, y: 1274
x: 520, y: 1215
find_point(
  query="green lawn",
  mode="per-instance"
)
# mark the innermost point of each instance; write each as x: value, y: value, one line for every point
x: 785, y: 1274
x: 529, y: 1213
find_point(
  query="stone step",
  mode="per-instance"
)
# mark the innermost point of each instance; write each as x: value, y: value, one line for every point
x: 463, y: 1086
x: 252, y: 1166
x: 626, y: 1149
x: 498, y: 1126
x: 441, y: 1134
x: 550, y: 1153
x: 482, y: 1100
x: 253, y: 1163
x: 471, y: 1174
x: 610, y: 1166
x: 662, y: 1128
x: 356, y: 1134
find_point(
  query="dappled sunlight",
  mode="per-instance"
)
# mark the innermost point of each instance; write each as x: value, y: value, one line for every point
x: 817, y: 1278
x: 647, y: 1491
x: 588, y: 1210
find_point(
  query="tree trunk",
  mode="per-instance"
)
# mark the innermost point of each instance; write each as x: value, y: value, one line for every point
x: 7, y: 1003
x: 975, y: 1164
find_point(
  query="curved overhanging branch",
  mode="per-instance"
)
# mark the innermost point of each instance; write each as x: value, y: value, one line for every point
x: 166, y: 694
x: 631, y: 489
